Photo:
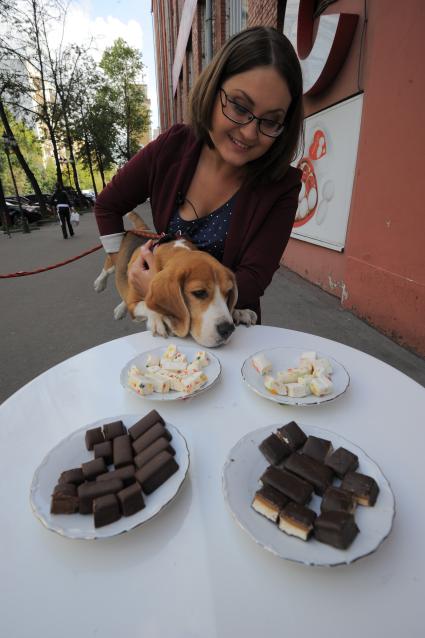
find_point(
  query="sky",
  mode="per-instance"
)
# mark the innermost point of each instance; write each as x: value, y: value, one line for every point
x: 106, y: 20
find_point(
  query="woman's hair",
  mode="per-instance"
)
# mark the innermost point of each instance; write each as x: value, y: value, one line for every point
x: 251, y: 48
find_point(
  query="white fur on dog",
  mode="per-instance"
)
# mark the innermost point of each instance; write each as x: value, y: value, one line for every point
x: 217, y: 313
x: 101, y: 281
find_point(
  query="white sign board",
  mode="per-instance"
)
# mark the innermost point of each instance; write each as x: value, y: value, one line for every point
x: 328, y: 165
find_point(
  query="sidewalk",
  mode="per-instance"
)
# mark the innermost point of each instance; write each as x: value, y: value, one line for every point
x: 51, y: 316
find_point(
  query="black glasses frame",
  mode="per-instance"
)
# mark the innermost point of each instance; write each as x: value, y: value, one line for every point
x: 249, y: 113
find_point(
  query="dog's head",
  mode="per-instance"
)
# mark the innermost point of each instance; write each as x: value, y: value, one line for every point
x: 195, y: 294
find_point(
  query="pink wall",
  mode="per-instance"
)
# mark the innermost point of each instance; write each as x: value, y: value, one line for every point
x: 381, y: 274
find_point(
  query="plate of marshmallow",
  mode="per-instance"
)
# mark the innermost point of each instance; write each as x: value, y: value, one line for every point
x: 293, y: 377
x: 169, y: 374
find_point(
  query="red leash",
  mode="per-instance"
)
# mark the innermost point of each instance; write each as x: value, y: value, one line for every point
x: 24, y: 273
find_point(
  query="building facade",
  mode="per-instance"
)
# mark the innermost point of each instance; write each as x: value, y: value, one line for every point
x: 360, y: 228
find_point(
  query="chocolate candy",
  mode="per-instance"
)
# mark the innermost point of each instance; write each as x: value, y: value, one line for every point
x: 156, y: 472
x: 293, y: 487
x: 126, y: 474
x: 131, y: 499
x: 91, y: 469
x: 336, y: 528
x: 122, y: 452
x: 292, y: 435
x: 87, y: 492
x: 106, y: 510
x: 268, y: 501
x: 274, y: 449
x: 148, y: 453
x: 64, y: 499
x: 297, y: 520
x: 337, y: 499
x: 114, y: 429
x: 317, y: 448
x: 103, y: 450
x: 93, y: 436
x: 74, y: 476
x: 364, y: 488
x: 342, y: 461
x: 144, y: 424
x: 310, y: 470
x: 155, y: 432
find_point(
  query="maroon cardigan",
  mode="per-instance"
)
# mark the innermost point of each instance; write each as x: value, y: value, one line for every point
x: 261, y: 221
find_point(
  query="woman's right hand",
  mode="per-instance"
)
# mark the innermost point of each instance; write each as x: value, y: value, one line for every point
x: 142, y: 270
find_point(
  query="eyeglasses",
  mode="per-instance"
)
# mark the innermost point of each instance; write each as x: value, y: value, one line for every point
x: 238, y: 114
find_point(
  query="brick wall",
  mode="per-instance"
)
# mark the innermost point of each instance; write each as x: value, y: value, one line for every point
x: 263, y: 13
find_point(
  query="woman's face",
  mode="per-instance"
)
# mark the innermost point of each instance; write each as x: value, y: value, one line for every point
x: 264, y: 93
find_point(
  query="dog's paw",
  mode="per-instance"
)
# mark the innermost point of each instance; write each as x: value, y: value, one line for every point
x: 244, y: 317
x: 156, y: 324
x: 120, y: 311
x: 100, y: 282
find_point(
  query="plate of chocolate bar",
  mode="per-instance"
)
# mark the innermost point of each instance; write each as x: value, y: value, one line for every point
x: 110, y: 476
x: 295, y: 377
x: 308, y: 495
x: 171, y: 374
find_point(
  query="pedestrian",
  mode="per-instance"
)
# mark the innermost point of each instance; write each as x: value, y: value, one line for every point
x: 225, y: 179
x: 63, y: 209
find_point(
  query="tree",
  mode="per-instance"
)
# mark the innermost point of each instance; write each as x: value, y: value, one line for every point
x: 123, y: 67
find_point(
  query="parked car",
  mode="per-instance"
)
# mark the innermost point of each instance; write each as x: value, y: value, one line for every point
x: 15, y: 214
x: 90, y: 195
x: 24, y: 202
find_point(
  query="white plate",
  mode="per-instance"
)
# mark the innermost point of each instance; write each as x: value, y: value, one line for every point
x: 212, y: 370
x: 283, y: 358
x: 242, y: 470
x: 71, y: 452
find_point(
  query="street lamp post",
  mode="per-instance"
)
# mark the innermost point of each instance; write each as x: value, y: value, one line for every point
x: 8, y: 141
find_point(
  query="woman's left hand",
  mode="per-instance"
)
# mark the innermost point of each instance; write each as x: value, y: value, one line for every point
x: 142, y: 270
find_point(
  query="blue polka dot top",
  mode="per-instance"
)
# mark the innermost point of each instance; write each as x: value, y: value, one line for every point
x: 208, y: 233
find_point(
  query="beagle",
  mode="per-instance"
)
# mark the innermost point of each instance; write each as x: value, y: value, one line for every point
x: 191, y: 293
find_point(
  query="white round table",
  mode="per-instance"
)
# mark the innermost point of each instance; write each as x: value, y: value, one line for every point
x: 191, y: 571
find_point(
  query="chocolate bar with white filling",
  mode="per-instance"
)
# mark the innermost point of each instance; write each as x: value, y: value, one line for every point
x: 106, y: 510
x: 64, y: 499
x: 131, y: 499
x: 87, y: 492
x: 338, y: 529
x: 317, y: 448
x: 114, y: 429
x: 126, y: 474
x: 274, y: 449
x: 122, y: 452
x: 336, y: 499
x: 297, y: 520
x: 296, y: 489
x: 144, y: 424
x: 268, y: 501
x: 342, y: 461
x: 292, y: 435
x: 103, y: 450
x: 91, y: 469
x: 155, y: 432
x: 364, y: 488
x: 310, y: 470
x: 93, y: 436
x: 156, y: 471
x: 74, y: 476
x: 155, y: 448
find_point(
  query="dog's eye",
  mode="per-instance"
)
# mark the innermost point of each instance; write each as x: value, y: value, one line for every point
x: 200, y: 294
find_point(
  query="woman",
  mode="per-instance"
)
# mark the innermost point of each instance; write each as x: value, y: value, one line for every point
x: 226, y: 180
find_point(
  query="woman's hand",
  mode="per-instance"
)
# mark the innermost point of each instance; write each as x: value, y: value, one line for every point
x: 142, y: 270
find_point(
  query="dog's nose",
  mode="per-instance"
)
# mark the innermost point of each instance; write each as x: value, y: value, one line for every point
x: 225, y: 329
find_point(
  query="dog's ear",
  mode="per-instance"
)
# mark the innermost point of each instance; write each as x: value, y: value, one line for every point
x: 165, y: 296
x: 233, y: 294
